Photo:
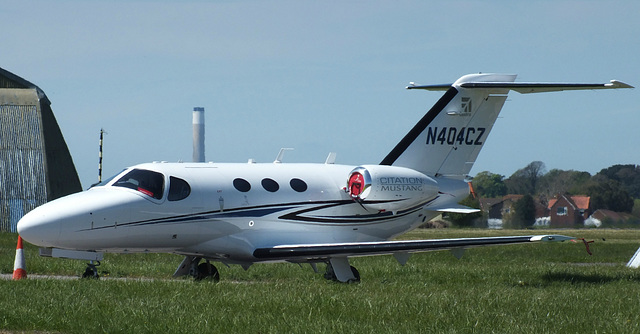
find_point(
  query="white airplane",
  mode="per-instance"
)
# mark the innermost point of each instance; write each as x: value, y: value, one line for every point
x: 301, y: 213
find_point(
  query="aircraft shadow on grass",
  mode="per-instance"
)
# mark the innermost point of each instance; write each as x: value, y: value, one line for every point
x: 593, y: 278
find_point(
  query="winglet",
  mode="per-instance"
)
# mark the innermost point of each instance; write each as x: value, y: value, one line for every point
x: 618, y: 84
x: 551, y: 238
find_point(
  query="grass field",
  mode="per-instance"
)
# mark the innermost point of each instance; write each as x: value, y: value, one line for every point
x: 533, y: 288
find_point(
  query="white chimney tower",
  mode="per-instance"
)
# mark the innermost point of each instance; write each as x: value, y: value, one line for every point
x: 198, y: 134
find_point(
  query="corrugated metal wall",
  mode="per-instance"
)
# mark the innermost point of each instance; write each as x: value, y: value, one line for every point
x: 22, y: 165
x: 35, y: 163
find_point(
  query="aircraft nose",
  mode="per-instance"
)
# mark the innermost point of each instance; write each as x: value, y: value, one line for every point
x: 40, y: 227
x: 67, y: 222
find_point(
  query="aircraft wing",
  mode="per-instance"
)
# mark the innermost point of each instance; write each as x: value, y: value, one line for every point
x: 324, y: 251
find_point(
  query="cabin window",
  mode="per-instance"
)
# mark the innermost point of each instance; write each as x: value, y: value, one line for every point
x: 178, y: 189
x: 145, y: 181
x: 270, y: 185
x: 242, y: 185
x: 298, y: 185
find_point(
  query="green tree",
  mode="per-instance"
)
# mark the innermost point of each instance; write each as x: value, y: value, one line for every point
x: 558, y: 181
x: 627, y: 175
x: 466, y: 219
x: 525, y: 212
x: 525, y: 180
x: 609, y: 194
x: 487, y: 184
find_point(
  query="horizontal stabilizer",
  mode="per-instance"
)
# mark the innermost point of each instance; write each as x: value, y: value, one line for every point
x: 455, y: 209
x: 529, y: 87
x: 441, y: 87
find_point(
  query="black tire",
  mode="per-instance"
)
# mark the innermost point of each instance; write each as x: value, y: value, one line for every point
x: 89, y: 273
x: 207, y: 271
x: 329, y: 274
x: 356, y: 274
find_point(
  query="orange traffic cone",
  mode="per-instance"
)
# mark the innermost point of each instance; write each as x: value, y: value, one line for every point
x: 18, y: 266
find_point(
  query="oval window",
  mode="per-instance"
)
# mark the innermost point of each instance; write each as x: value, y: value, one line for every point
x: 178, y: 189
x: 270, y: 185
x: 242, y: 185
x: 298, y: 185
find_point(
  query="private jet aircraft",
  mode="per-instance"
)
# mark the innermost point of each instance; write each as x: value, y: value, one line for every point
x: 301, y: 213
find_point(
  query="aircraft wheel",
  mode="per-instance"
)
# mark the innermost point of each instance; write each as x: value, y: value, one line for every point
x: 91, y: 271
x: 329, y: 274
x: 356, y: 274
x: 88, y: 273
x: 207, y: 271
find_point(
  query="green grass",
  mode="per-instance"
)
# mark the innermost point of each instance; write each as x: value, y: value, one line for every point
x: 537, y: 288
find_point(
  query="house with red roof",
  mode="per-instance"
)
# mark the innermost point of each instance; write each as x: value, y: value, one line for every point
x: 569, y: 211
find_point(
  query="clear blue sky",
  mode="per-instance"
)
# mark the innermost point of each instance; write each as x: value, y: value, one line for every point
x: 323, y: 76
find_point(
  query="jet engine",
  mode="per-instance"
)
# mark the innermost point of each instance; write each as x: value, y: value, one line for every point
x: 389, y: 188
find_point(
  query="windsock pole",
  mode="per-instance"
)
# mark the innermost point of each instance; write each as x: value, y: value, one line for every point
x: 19, y: 271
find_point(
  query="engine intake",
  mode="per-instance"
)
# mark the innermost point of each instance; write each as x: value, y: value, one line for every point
x: 389, y: 188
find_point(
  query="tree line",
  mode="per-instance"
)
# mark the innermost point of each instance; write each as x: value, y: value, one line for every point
x: 613, y: 188
x: 616, y: 188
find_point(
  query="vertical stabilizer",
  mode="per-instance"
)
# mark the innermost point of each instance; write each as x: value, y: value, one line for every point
x: 448, y: 139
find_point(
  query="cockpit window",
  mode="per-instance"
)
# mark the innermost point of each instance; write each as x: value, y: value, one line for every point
x: 104, y: 182
x: 178, y: 189
x: 145, y: 181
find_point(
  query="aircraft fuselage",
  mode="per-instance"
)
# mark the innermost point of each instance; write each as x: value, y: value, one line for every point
x: 230, y: 210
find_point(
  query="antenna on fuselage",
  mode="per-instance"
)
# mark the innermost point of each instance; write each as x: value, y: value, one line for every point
x: 331, y: 159
x: 281, y: 154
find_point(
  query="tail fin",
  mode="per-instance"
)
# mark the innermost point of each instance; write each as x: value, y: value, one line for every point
x: 448, y: 139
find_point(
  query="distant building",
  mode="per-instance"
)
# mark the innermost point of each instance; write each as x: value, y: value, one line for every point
x: 610, y: 217
x: 562, y: 211
x: 35, y: 163
x: 498, y: 209
x: 569, y: 211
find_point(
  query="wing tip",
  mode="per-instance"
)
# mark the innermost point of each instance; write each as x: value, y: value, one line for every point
x: 619, y: 84
x: 551, y: 238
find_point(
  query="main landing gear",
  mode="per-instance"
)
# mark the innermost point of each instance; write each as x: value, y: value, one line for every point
x: 339, y: 270
x: 199, y: 271
x: 206, y: 271
x: 92, y: 270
